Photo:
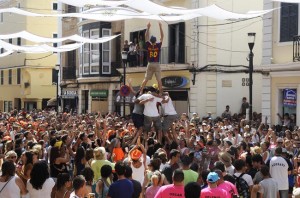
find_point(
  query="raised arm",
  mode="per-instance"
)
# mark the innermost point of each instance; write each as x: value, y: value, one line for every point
x: 161, y: 32
x: 147, y: 32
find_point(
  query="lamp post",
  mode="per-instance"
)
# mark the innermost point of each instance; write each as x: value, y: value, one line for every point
x: 124, y: 59
x: 251, y: 41
x: 57, y: 80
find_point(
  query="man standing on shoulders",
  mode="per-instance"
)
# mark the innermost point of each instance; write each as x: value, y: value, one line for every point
x: 279, y: 172
x: 153, y: 52
x: 175, y: 190
x: 123, y: 188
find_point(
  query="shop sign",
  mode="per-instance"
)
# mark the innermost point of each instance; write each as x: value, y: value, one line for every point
x: 99, y: 93
x: 290, y: 97
x: 69, y: 94
x: 174, y: 81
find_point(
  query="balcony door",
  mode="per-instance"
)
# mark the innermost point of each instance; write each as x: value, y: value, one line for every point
x: 177, y: 43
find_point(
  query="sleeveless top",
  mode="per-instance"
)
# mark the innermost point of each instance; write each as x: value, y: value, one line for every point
x: 11, y: 190
x: 103, y: 193
x: 138, y: 173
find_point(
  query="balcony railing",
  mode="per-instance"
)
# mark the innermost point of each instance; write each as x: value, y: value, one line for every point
x: 296, y: 48
x: 69, y: 73
x: 168, y: 55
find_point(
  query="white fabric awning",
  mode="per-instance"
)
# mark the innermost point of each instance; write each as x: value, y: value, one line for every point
x: 145, y: 9
x: 39, y: 39
x: 288, y: 1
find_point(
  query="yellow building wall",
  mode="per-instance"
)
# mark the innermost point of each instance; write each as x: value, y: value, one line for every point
x: 137, y: 78
x: 277, y: 84
x: 40, y: 79
x: 282, y: 51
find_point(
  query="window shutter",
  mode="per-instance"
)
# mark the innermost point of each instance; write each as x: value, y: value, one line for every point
x: 288, y: 21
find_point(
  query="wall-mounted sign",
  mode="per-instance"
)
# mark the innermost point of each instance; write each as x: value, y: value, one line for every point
x: 69, y: 94
x: 174, y: 81
x: 99, y: 93
x: 290, y: 97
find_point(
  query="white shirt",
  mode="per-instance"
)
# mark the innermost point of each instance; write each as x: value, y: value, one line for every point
x: 168, y: 108
x: 239, y: 138
x: 150, y: 109
x: 279, y: 171
x: 45, y: 192
x: 11, y: 190
x: 246, y: 177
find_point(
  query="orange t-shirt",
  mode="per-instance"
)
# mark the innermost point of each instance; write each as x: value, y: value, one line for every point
x: 119, y: 154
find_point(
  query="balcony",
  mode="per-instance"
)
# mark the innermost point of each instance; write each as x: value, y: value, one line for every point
x: 69, y: 73
x: 168, y: 55
x: 296, y: 48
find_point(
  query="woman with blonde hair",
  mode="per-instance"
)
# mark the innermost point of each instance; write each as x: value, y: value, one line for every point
x: 99, y: 161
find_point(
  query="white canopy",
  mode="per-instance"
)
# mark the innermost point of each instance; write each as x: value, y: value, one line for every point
x: 38, y: 39
x: 6, y: 53
x: 147, y: 10
x: 42, y: 48
x: 288, y: 1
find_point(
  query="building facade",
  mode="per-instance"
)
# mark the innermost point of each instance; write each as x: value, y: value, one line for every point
x: 204, y: 54
x: 280, y: 63
x: 219, y: 54
x: 28, y: 80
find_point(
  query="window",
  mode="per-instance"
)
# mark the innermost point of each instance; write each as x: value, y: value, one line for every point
x: 94, y: 53
x: 10, y: 41
x: 90, y: 53
x: 288, y: 21
x: 19, y: 41
x: 7, y: 106
x: 2, y: 51
x: 54, y: 6
x: 54, y: 77
x: 106, y: 69
x: 54, y: 36
x: 2, y: 77
x: 71, y: 9
x: 86, y: 54
x: 10, y: 77
x: 18, y: 76
x: 1, y: 17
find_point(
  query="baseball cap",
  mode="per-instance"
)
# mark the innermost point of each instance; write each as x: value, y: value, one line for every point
x: 212, y: 177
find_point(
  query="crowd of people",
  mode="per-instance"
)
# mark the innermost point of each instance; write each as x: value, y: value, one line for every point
x: 154, y: 153
x: 51, y: 154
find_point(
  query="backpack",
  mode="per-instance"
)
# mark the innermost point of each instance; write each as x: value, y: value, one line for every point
x: 242, y: 186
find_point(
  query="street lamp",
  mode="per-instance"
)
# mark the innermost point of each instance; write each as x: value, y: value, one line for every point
x: 124, y: 59
x: 251, y: 41
x: 57, y: 80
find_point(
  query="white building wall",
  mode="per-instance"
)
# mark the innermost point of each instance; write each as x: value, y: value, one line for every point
x: 233, y: 95
x: 225, y: 43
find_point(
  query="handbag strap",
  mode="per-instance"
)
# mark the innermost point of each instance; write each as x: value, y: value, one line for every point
x: 6, y: 184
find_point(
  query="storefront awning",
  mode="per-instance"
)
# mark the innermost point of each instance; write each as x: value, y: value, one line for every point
x: 51, y: 102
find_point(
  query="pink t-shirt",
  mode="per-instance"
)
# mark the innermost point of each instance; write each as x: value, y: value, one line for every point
x: 170, y: 191
x: 228, y: 187
x: 151, y: 191
x: 214, y: 193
